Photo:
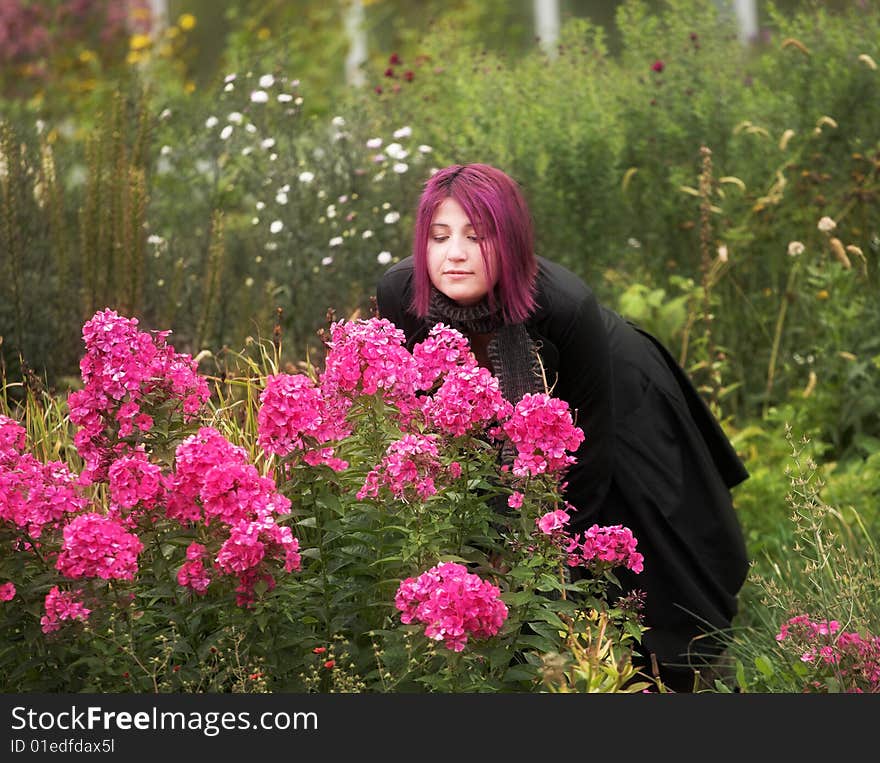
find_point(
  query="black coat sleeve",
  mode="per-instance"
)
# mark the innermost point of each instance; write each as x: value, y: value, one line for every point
x: 585, y: 382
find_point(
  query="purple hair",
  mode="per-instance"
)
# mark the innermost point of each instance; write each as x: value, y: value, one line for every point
x: 495, y: 206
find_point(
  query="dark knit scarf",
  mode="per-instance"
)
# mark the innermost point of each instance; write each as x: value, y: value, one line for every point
x: 511, y: 351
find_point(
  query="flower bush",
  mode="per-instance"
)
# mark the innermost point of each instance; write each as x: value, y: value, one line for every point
x: 368, y: 502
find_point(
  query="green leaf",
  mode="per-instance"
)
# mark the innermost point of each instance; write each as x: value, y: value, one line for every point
x: 763, y: 664
x: 520, y: 673
x: 741, y: 675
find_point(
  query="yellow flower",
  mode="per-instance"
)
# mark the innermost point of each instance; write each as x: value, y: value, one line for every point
x: 133, y: 58
x: 263, y: 33
x: 822, y: 294
x: 186, y: 21
x: 139, y: 41
x: 189, y: 87
x: 86, y: 56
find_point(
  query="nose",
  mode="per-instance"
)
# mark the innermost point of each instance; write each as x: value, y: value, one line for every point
x: 456, y: 251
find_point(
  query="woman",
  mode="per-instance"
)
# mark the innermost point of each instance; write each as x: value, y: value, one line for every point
x: 654, y: 458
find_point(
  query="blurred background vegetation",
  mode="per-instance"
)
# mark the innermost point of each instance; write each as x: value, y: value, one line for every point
x: 239, y: 169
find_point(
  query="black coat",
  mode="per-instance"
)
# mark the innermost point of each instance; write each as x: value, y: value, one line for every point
x: 654, y: 458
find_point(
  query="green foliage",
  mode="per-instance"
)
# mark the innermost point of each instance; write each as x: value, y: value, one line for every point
x: 122, y: 196
x: 831, y: 573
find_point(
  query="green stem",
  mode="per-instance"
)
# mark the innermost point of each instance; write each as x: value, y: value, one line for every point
x: 777, y: 334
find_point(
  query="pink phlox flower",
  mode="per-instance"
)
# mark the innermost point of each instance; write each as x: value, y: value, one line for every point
x: 61, y: 606
x: 552, y: 522
x: 250, y: 542
x: 443, y: 350
x: 7, y: 591
x: 468, y: 401
x: 853, y: 658
x: 135, y: 480
x: 233, y: 492
x: 407, y: 470
x: 453, y: 604
x: 194, y: 458
x: 97, y: 546
x: 13, y: 439
x: 366, y: 357
x: 515, y: 500
x: 325, y: 456
x: 248, y: 546
x: 541, y: 428
x: 614, y: 545
x: 294, y: 415
x: 34, y: 495
x: 124, y: 370
x: 192, y: 573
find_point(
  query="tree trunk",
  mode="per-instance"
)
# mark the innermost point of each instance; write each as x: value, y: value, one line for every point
x: 357, y: 49
x: 547, y: 25
x: 747, y: 18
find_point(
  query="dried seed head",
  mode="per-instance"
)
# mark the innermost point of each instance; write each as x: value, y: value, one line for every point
x: 840, y: 253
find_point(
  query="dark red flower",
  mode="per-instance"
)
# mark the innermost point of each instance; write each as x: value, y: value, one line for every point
x: 176, y: 668
x: 408, y: 75
x: 658, y: 66
x: 378, y: 89
x: 330, y: 664
x: 389, y: 72
x: 319, y: 649
x: 395, y: 60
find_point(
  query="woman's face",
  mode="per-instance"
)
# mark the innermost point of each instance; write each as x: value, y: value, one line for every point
x: 455, y: 263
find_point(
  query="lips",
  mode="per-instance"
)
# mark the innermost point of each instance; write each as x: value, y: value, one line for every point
x: 458, y: 273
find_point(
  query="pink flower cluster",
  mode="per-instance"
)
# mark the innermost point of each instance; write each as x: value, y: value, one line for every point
x: 853, y: 659
x: 135, y: 481
x: 249, y: 543
x: 445, y: 349
x: 368, y: 356
x: 60, y: 606
x: 7, y: 591
x: 409, y: 466
x: 127, y: 373
x: 213, y: 480
x: 553, y: 522
x: 542, y: 430
x: 193, y: 573
x: 614, y: 545
x: 453, y: 603
x: 295, y: 415
x: 12, y: 440
x: 34, y: 495
x: 469, y: 400
x: 97, y: 546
